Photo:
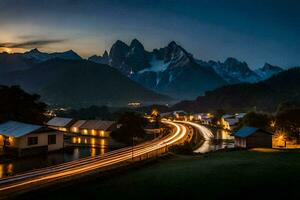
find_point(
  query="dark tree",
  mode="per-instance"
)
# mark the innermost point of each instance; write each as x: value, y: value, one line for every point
x: 259, y: 120
x: 132, y: 126
x: 289, y: 121
x: 92, y: 112
x: 16, y: 104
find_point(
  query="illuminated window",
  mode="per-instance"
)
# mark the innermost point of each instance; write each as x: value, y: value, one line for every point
x: 93, y: 141
x: 74, y: 140
x: 102, y: 133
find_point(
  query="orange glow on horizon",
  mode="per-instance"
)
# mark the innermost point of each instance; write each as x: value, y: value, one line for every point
x: 12, y: 50
x: 5, y: 49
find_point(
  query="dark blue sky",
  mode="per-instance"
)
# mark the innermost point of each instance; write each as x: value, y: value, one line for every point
x: 255, y: 31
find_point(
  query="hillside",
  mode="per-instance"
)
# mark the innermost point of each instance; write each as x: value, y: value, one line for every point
x: 265, y: 95
x: 81, y: 83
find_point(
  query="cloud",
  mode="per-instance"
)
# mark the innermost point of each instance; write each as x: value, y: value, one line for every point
x: 31, y: 43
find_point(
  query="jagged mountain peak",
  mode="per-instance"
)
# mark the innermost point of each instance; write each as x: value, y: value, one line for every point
x: 70, y: 51
x: 119, y: 43
x: 268, y: 66
x: 35, y: 50
x: 234, y: 71
x: 39, y: 56
x: 105, y: 54
x: 268, y: 70
x: 136, y: 44
x: 172, y: 44
x: 233, y: 61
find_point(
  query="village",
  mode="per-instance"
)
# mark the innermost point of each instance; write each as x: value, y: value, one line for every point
x: 23, y: 139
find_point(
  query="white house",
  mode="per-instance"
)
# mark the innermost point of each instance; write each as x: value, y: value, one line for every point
x: 29, y: 139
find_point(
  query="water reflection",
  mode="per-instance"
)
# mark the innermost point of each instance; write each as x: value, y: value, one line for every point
x: 222, y: 135
x: 214, y: 145
x: 222, y: 139
x: 78, y: 147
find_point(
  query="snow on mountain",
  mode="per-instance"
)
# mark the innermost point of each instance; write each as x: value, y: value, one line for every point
x: 129, y: 59
x: 234, y: 71
x: 156, y: 66
x: 35, y: 54
x: 173, y: 71
x: 268, y: 70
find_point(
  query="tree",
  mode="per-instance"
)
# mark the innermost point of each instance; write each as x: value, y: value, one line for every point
x: 16, y: 104
x: 92, y: 112
x: 259, y: 120
x: 217, y: 115
x: 156, y: 117
x: 289, y: 121
x: 131, y: 126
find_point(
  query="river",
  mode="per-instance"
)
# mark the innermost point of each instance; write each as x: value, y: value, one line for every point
x: 222, y: 139
x: 19, y: 165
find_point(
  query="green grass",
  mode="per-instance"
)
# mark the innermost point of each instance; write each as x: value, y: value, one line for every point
x: 219, y: 175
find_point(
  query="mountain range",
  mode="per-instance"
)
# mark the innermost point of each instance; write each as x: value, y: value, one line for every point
x: 266, y: 95
x: 170, y: 71
x: 173, y: 71
x: 80, y: 84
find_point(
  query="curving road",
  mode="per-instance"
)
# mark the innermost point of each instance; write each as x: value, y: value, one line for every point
x: 37, y: 178
x: 206, y: 133
x: 207, y: 136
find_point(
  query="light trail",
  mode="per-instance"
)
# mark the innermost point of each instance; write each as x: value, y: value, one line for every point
x: 85, y: 165
x: 206, y: 133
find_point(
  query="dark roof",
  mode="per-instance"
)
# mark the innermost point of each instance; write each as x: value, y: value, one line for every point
x: 17, y: 129
x: 97, y: 124
x: 78, y: 124
x: 59, y: 121
x: 247, y: 131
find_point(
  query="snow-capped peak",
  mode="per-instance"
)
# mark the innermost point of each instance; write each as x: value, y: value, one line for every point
x: 268, y: 70
x: 41, y: 56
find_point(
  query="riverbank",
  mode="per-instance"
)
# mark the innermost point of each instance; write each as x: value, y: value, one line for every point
x: 236, y: 174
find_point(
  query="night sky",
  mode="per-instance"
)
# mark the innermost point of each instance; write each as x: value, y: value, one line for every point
x: 255, y: 31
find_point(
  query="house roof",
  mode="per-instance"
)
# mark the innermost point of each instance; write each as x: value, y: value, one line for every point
x: 232, y: 121
x: 228, y: 116
x: 17, y: 129
x: 78, y: 123
x: 247, y: 131
x: 59, y: 121
x: 97, y: 124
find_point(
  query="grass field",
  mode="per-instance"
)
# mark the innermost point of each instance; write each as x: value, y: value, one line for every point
x: 221, y: 175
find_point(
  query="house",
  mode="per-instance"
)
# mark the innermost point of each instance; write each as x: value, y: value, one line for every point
x: 28, y: 139
x: 98, y: 128
x: 75, y: 128
x: 60, y: 123
x: 251, y: 137
x: 232, y: 120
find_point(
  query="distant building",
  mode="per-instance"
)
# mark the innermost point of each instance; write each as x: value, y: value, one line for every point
x: 134, y: 104
x: 251, y: 137
x: 75, y: 128
x: 231, y: 121
x: 96, y: 128
x: 223, y: 123
x: 61, y: 123
x: 29, y: 139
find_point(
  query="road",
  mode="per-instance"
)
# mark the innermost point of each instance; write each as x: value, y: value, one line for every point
x: 205, y: 132
x: 38, y: 178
